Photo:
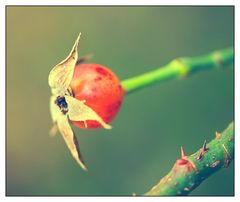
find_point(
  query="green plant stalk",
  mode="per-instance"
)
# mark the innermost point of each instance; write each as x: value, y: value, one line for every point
x: 189, y: 171
x: 180, y: 68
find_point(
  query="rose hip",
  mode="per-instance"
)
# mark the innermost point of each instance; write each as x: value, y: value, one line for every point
x: 101, y: 89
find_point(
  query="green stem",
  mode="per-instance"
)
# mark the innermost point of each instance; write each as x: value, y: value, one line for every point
x: 180, y: 67
x: 189, y: 171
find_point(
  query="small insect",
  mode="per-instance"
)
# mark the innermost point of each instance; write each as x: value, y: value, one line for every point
x: 63, y: 105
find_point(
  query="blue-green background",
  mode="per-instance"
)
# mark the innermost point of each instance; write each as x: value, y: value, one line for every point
x: 153, y: 123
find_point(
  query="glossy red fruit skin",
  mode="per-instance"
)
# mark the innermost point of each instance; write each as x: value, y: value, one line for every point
x: 101, y: 89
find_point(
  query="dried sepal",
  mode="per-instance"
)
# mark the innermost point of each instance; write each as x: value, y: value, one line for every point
x: 61, y: 75
x: 70, y: 139
x: 61, y: 123
x: 55, y: 113
x: 54, y: 109
x: 78, y: 111
x: 54, y: 129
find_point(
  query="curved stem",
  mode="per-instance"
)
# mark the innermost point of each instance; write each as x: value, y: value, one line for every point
x: 189, y: 171
x: 180, y: 67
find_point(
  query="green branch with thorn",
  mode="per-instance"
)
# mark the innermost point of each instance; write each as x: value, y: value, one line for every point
x: 189, y: 171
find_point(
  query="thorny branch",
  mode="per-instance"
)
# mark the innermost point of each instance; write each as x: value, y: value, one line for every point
x: 189, y: 171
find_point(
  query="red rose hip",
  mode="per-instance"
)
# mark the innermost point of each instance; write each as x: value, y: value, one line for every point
x: 101, y: 89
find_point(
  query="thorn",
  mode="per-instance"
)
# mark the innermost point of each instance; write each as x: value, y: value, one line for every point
x: 228, y: 157
x: 213, y: 165
x: 218, y: 135
x: 200, y: 156
x: 204, y: 147
x: 182, y: 153
x: 203, y: 151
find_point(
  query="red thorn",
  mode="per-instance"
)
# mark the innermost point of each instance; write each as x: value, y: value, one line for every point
x: 182, y: 153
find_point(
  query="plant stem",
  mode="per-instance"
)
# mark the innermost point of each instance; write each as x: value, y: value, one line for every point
x: 189, y: 171
x: 180, y: 67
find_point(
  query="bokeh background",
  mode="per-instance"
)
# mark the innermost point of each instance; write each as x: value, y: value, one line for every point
x: 153, y: 123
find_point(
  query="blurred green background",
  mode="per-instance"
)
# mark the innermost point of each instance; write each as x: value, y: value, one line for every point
x: 153, y: 123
